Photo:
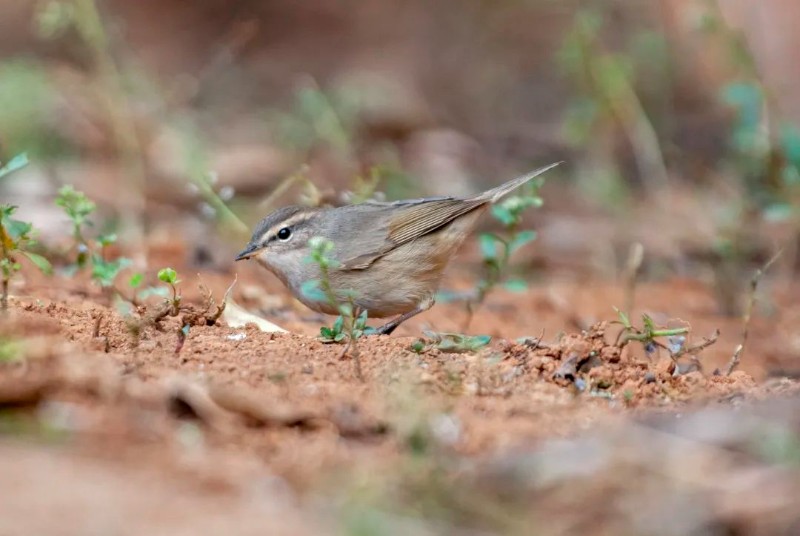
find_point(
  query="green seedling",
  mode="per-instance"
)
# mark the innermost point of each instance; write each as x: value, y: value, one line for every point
x: 78, y: 208
x: 651, y: 337
x: 89, y: 253
x: 104, y: 271
x: 170, y: 277
x: 351, y: 324
x: 649, y: 334
x: 140, y: 294
x: 456, y: 343
x: 337, y: 332
x: 15, y: 238
x: 497, y: 248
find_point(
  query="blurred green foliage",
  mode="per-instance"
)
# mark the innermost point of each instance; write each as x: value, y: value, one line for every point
x: 316, y: 117
x: 27, y: 106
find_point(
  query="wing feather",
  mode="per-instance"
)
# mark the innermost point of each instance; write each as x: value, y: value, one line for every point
x: 410, y: 222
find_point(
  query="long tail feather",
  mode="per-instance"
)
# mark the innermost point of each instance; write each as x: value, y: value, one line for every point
x: 496, y: 193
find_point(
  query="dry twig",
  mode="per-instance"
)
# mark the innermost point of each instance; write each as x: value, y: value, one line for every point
x: 748, y: 312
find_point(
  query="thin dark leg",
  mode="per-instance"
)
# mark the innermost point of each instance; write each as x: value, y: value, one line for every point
x: 391, y: 325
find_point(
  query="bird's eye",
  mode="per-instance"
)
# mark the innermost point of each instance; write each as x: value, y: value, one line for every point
x: 284, y: 234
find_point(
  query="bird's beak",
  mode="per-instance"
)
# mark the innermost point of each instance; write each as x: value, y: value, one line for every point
x: 248, y: 252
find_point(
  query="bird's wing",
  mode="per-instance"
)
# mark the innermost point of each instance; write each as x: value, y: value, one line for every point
x: 401, y: 222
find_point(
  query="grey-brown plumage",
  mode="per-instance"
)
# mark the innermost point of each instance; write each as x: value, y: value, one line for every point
x: 391, y: 255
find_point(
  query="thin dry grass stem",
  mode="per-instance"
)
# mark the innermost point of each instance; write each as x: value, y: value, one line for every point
x: 697, y: 348
x: 352, y: 344
x: 210, y: 302
x: 631, y: 274
x: 629, y: 112
x: 299, y: 176
x: 748, y: 313
x: 117, y: 106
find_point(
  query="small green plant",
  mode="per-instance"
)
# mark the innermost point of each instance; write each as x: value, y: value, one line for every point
x: 170, y: 277
x: 89, y: 253
x: 78, y: 208
x: 351, y: 323
x: 456, y: 343
x: 497, y: 248
x: 649, y: 334
x: 139, y: 294
x: 337, y: 333
x: 15, y: 237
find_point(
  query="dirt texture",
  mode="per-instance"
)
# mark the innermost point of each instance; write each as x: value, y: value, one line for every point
x: 241, y: 430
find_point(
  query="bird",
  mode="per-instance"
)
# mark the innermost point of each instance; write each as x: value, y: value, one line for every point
x: 387, y: 258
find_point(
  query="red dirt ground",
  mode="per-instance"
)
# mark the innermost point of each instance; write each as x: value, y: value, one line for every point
x: 241, y: 425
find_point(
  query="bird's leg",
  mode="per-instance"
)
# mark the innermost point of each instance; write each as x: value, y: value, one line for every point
x: 391, y: 325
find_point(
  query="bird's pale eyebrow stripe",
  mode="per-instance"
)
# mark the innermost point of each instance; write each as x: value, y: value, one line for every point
x: 289, y: 222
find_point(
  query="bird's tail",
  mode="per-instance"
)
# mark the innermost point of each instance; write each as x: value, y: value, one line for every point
x: 496, y: 193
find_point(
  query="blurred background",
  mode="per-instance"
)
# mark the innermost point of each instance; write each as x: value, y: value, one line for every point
x: 678, y: 122
x: 677, y: 119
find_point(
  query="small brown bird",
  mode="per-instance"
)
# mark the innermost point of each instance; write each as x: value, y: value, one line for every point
x: 391, y: 256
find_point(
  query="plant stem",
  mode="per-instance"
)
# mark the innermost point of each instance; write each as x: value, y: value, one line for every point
x: 4, y: 297
x: 6, y: 270
x: 748, y: 313
x: 89, y: 24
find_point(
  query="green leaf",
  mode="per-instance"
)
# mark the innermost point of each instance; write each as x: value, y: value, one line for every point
x: 40, y: 262
x: 457, y: 343
x: 478, y: 341
x: 320, y: 245
x: 136, y: 280
x: 16, y: 229
x: 326, y: 332
x: 339, y: 337
x: 75, y: 203
x: 105, y: 272
x: 169, y: 276
x: 623, y: 318
x: 346, y: 309
x: 361, y: 321
x: 520, y: 239
x: 310, y: 289
x: 504, y: 215
x: 338, y: 325
x: 418, y: 346
x: 516, y: 285
x: 488, y: 243
x: 649, y: 325
x: 16, y: 163
x: 790, y: 142
x: 107, y: 239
